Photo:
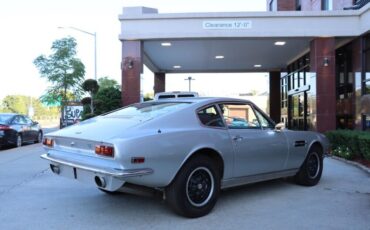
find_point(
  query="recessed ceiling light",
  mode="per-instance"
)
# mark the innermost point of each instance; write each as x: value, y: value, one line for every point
x: 166, y: 44
x: 219, y: 57
x: 177, y: 66
x: 280, y: 43
x: 257, y: 66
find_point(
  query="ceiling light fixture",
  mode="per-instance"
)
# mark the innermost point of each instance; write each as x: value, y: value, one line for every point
x: 166, y: 44
x: 257, y: 66
x: 280, y: 43
x: 177, y: 66
x: 219, y: 57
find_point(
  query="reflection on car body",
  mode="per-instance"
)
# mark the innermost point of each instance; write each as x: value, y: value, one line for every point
x: 187, y: 148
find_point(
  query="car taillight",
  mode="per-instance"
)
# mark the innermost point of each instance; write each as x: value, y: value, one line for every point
x: 104, y: 150
x: 48, y: 142
x: 4, y: 127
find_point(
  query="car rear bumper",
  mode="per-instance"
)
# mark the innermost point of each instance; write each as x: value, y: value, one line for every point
x: 110, y: 179
x: 4, y: 141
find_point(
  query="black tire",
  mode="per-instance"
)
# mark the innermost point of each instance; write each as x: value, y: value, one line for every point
x: 18, y: 141
x: 39, y: 137
x: 195, y: 189
x: 310, y: 172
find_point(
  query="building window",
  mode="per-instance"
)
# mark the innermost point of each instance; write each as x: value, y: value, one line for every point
x: 326, y: 4
x: 367, y: 123
x: 344, y: 88
x: 298, y: 5
x: 270, y: 5
x: 366, y: 78
x: 295, y: 90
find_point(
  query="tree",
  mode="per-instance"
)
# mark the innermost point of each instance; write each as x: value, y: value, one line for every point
x: 148, y: 96
x: 20, y: 104
x: 15, y: 104
x: 91, y: 86
x: 63, y: 70
x: 105, y: 82
x: 107, y: 99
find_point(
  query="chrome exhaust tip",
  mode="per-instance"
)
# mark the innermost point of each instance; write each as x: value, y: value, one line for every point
x: 55, y: 169
x: 100, y: 182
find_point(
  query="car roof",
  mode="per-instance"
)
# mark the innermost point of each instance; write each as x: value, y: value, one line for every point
x: 202, y: 100
x: 11, y: 114
x: 175, y: 92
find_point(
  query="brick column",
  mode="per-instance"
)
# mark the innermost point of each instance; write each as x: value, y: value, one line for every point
x: 274, y: 99
x: 320, y: 50
x: 159, y: 82
x: 286, y: 5
x: 132, y: 67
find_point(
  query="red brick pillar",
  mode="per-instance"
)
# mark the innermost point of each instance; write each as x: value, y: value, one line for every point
x: 286, y: 5
x: 274, y: 99
x: 159, y: 82
x: 322, y: 56
x: 132, y: 67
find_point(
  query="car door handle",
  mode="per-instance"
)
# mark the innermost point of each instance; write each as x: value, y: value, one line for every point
x: 237, y: 138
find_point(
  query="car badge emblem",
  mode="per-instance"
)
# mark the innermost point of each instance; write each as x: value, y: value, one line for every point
x: 72, y: 143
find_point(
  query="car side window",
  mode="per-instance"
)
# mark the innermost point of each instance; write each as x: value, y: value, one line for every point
x: 210, y: 117
x: 16, y: 120
x: 239, y: 116
x: 28, y: 121
x: 19, y: 120
x: 265, y: 123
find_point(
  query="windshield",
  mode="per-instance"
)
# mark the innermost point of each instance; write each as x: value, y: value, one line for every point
x: 148, y: 110
x: 4, y: 118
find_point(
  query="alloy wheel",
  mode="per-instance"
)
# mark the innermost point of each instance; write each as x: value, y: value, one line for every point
x: 313, y: 165
x: 200, y: 186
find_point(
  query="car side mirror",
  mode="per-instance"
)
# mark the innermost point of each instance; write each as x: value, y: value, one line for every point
x: 280, y: 127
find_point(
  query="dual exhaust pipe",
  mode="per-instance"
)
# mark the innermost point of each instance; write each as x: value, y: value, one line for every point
x: 100, y: 181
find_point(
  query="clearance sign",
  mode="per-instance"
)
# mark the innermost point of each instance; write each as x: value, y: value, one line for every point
x: 227, y: 25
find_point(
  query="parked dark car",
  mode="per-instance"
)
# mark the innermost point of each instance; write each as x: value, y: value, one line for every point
x: 16, y: 129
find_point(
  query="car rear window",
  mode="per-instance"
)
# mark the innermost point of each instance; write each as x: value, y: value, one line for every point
x: 148, y: 109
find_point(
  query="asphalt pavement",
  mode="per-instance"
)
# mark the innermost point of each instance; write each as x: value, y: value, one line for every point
x: 31, y: 197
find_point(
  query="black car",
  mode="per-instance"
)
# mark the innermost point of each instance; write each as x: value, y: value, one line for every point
x: 16, y: 129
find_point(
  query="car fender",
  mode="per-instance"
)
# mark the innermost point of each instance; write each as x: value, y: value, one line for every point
x: 197, y: 150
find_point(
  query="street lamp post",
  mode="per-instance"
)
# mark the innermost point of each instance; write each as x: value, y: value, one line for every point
x: 89, y: 33
x: 189, y: 79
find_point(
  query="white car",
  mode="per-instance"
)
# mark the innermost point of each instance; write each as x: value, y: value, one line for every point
x: 187, y: 148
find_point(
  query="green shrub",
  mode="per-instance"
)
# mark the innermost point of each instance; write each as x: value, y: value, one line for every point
x: 88, y: 116
x: 344, y: 152
x: 350, y: 143
x: 364, y: 141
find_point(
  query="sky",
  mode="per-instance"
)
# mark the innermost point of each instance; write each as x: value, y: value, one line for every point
x: 28, y: 29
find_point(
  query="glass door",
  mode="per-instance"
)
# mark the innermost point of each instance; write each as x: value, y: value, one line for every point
x: 298, y: 111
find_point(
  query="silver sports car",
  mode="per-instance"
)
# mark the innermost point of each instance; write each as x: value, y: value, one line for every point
x: 188, y: 149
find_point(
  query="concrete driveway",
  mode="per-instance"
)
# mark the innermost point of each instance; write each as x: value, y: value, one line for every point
x: 31, y: 197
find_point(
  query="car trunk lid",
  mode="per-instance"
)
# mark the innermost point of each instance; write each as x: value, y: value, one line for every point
x: 100, y: 129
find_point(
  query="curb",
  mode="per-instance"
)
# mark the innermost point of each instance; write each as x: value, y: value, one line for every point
x: 358, y: 165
